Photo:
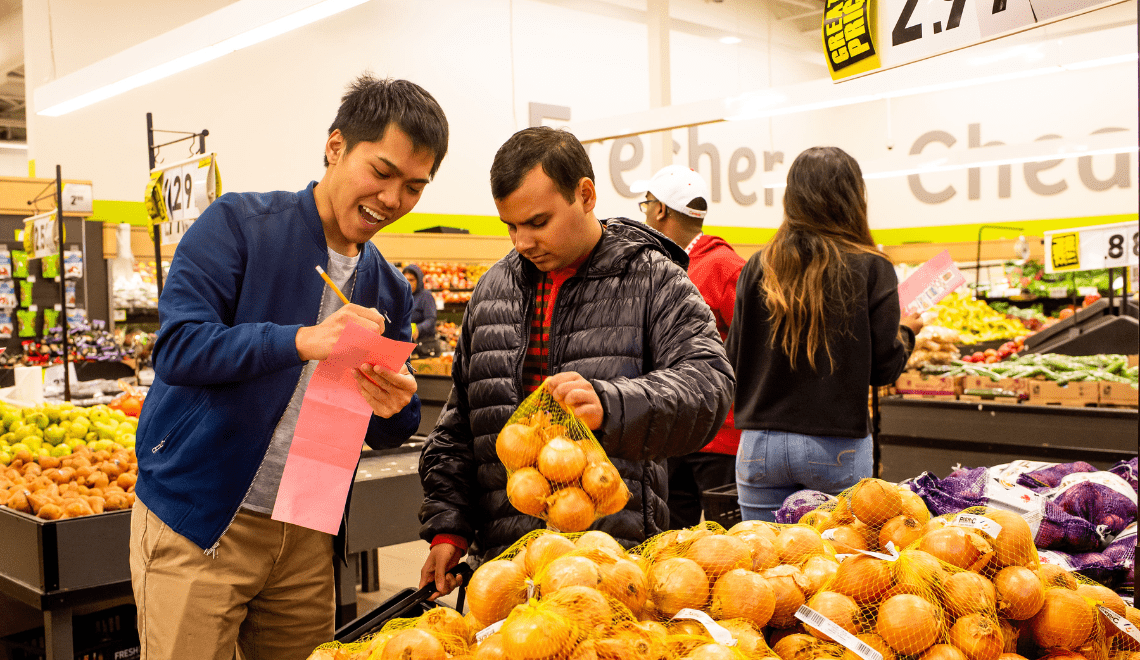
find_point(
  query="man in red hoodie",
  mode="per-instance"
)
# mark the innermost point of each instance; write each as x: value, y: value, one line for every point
x: 675, y: 205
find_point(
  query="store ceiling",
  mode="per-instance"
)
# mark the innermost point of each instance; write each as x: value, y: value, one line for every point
x: 802, y: 15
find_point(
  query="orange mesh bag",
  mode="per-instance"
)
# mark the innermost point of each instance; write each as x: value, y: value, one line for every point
x: 868, y: 515
x: 556, y: 469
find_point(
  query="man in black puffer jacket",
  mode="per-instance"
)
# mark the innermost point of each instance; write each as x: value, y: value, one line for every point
x: 604, y: 313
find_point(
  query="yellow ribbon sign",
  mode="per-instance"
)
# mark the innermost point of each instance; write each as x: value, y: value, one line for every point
x: 848, y: 26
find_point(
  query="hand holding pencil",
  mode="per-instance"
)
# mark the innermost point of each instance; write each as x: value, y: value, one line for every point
x: 315, y: 342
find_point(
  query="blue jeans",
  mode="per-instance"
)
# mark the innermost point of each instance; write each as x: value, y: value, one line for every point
x: 771, y: 465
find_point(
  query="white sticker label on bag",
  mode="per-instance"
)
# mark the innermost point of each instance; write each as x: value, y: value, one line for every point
x: 719, y: 633
x: 891, y: 553
x: 832, y: 630
x: 1103, y: 478
x: 1054, y: 559
x: 1120, y: 622
x: 489, y: 630
x: 977, y: 522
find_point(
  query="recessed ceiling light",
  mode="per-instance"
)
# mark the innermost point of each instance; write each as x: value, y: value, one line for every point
x: 730, y: 40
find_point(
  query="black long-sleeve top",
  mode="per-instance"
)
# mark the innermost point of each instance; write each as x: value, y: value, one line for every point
x: 825, y: 402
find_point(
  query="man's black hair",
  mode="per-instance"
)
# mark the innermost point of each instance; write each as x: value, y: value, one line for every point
x: 370, y: 105
x: 561, y: 155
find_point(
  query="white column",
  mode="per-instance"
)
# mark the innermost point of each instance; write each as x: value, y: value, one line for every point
x: 661, y: 143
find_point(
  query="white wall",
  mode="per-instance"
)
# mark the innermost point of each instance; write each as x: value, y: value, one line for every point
x: 13, y: 162
x: 268, y: 107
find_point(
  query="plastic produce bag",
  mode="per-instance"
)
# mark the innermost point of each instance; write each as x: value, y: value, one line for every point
x: 26, y: 288
x: 556, y: 469
x: 19, y: 263
x: 49, y: 266
x: 800, y: 503
x: 26, y: 322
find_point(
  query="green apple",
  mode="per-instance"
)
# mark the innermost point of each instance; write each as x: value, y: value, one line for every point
x: 10, y: 415
x: 127, y: 440
x: 5, y: 458
x: 106, y: 430
x: 39, y: 419
x: 99, y: 413
x: 53, y: 435
x: 18, y: 447
x: 118, y: 416
x: 22, y: 431
x: 54, y: 414
x: 60, y: 450
x: 7, y: 438
x: 74, y: 442
x: 34, y: 442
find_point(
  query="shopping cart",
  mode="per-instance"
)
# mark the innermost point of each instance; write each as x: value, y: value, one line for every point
x: 405, y: 604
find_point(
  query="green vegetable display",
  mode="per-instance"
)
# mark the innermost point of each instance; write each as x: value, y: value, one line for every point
x: 1060, y: 369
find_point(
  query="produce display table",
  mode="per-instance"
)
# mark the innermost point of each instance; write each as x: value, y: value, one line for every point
x: 384, y: 510
x: 56, y: 566
x: 935, y: 436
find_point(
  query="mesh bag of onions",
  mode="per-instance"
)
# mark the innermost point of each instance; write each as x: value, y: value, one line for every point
x: 523, y: 602
x: 556, y: 469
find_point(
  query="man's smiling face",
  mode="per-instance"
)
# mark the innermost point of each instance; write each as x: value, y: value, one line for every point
x: 370, y: 186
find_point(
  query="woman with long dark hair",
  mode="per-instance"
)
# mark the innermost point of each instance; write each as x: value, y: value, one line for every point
x: 817, y: 321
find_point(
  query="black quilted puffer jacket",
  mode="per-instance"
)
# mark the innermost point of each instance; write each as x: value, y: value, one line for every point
x: 630, y: 322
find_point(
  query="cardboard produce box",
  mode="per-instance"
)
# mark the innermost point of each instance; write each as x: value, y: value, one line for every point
x: 1118, y: 394
x: 915, y: 385
x: 1048, y: 393
x: 1019, y: 386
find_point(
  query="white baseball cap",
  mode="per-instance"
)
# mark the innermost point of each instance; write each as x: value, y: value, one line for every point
x: 676, y: 186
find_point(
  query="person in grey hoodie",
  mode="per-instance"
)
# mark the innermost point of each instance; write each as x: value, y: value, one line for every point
x: 423, y: 307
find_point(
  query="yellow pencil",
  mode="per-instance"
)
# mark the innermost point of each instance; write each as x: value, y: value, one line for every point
x: 328, y: 280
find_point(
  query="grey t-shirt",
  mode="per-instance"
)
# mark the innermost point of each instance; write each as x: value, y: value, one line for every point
x: 263, y: 493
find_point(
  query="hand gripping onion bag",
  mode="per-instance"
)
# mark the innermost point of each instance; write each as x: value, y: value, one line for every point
x: 556, y: 469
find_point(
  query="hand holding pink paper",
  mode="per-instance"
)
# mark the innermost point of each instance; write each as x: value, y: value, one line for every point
x: 935, y: 280
x: 330, y: 431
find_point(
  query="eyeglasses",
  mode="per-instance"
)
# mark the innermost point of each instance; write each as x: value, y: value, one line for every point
x: 644, y: 206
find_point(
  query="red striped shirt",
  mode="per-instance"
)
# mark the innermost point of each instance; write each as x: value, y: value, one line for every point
x: 536, y: 365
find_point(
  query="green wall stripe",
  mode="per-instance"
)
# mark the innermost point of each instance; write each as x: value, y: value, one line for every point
x: 488, y: 225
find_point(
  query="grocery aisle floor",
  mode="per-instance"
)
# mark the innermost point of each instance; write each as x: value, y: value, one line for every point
x: 399, y: 569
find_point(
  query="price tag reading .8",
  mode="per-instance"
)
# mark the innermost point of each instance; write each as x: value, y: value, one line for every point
x: 1116, y: 245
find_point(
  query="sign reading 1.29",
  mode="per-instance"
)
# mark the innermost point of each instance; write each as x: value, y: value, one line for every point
x: 177, y: 189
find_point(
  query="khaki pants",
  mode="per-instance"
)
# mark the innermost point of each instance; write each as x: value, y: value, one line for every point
x: 269, y: 592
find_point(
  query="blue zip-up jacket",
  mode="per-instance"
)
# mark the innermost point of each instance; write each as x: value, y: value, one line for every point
x: 241, y: 284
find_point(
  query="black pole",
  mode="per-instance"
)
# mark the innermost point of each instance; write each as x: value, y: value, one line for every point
x: 1111, y: 292
x: 156, y: 228
x: 62, y: 284
x: 876, y: 448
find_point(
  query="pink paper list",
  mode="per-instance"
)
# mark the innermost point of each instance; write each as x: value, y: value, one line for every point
x: 330, y: 431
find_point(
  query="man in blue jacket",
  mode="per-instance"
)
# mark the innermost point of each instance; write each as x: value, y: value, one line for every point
x: 245, y: 319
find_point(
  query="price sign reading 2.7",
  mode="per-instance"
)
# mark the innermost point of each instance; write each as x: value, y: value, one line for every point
x: 905, y: 32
